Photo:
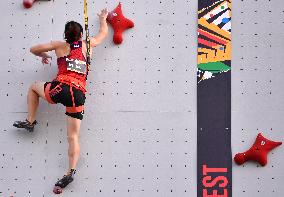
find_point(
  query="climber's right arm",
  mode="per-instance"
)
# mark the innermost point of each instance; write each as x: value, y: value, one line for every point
x: 96, y: 40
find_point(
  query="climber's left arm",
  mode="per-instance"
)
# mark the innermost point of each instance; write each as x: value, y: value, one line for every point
x: 42, y: 49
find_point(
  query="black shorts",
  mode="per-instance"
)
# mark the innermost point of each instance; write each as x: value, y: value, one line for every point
x: 71, y: 97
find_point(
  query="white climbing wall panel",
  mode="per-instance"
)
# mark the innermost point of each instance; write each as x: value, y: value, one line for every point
x: 138, y: 135
x: 257, y: 95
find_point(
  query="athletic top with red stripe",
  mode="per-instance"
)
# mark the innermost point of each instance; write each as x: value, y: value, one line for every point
x: 69, y: 76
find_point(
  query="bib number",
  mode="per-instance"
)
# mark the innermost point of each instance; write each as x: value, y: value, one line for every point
x: 77, y: 66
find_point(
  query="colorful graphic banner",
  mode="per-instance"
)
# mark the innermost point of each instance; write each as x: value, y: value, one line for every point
x: 214, y: 157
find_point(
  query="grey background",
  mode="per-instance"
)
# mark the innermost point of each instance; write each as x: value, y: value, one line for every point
x: 138, y: 136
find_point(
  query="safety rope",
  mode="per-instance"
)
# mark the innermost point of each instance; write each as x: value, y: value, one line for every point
x: 87, y: 34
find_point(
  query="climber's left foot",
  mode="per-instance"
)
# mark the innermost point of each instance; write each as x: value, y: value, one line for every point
x: 25, y: 124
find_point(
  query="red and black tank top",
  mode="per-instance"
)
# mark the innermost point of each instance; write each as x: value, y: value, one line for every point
x: 73, y: 69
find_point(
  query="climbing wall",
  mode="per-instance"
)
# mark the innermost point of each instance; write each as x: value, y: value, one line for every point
x: 257, y: 95
x: 139, y: 130
x: 138, y: 136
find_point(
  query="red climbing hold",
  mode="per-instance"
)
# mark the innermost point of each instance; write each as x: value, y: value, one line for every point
x: 57, y: 190
x: 28, y: 3
x: 119, y: 23
x: 258, y: 151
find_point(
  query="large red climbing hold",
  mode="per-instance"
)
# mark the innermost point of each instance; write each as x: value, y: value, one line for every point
x: 258, y: 151
x: 119, y: 23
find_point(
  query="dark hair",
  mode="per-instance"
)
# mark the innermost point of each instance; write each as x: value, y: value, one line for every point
x: 72, y: 31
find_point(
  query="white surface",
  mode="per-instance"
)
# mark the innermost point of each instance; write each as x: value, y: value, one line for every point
x: 138, y: 135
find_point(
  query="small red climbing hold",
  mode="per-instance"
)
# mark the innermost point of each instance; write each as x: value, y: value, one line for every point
x: 57, y: 190
x: 258, y: 151
x: 28, y: 3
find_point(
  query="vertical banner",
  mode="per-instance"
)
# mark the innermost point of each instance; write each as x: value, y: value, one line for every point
x: 214, y: 156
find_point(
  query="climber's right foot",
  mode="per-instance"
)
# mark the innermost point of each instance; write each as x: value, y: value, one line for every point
x: 25, y: 124
x: 66, y: 179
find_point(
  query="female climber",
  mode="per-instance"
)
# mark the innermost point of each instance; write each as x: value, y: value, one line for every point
x: 68, y: 87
